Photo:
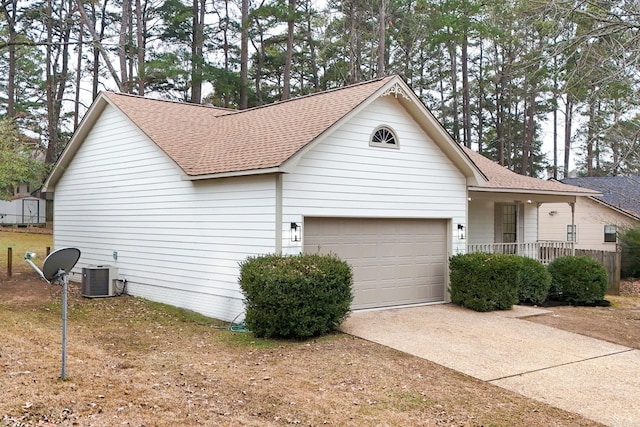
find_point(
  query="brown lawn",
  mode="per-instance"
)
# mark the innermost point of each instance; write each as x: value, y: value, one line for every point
x: 135, y: 363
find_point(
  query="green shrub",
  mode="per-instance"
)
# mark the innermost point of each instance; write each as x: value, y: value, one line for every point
x: 577, y: 280
x: 533, y: 280
x: 483, y: 282
x: 295, y: 296
x: 630, y: 241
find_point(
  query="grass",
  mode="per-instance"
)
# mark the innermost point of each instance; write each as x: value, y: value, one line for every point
x: 134, y: 362
x: 20, y: 243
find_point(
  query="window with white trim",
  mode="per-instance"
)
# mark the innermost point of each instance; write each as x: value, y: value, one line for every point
x: 610, y: 234
x: 572, y: 233
x: 384, y: 137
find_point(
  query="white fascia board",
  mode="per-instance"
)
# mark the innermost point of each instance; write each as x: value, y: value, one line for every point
x: 527, y: 191
x: 251, y: 172
x: 83, y: 129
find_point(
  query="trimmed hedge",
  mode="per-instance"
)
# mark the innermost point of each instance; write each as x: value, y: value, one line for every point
x: 578, y: 280
x: 484, y: 282
x: 295, y: 296
x: 534, y: 281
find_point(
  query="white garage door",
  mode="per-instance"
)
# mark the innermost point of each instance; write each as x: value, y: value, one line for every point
x: 394, y: 261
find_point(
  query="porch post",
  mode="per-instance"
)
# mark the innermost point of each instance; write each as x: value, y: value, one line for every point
x: 573, y: 222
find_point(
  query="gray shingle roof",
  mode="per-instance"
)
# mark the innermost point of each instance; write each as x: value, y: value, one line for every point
x: 622, y: 192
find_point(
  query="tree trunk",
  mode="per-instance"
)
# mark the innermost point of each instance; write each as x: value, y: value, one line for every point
x: 568, y: 116
x: 141, y: 30
x: 244, y: 55
x: 76, y: 106
x: 454, y: 92
x: 98, y: 45
x: 355, y: 48
x: 286, y: 84
x: 382, y: 37
x: 590, y: 137
x: 466, y: 97
x: 10, y: 16
x: 529, y: 135
x: 480, y: 105
x: 56, y: 79
x: 315, y: 80
x: 260, y: 61
x: 197, y: 51
x: 122, y: 45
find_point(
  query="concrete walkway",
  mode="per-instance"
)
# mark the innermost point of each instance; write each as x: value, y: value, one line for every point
x: 591, y: 377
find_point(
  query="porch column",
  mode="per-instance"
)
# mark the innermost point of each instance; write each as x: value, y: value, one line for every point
x: 538, y: 204
x: 573, y: 225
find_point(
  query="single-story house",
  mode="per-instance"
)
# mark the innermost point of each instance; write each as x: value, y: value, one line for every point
x: 597, y: 218
x: 176, y: 195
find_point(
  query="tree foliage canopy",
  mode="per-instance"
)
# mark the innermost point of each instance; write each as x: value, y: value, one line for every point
x: 505, y: 77
x: 17, y: 166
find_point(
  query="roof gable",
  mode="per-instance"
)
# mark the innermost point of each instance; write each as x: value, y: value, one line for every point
x: 208, y: 142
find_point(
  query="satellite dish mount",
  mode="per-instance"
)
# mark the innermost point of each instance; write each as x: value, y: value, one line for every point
x: 55, y: 271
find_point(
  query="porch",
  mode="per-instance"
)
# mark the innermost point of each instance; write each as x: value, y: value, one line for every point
x: 542, y: 251
x: 545, y: 252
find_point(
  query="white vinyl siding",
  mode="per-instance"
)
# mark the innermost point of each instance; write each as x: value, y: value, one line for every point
x: 178, y: 242
x: 481, y: 221
x: 486, y: 216
x: 344, y: 176
x: 530, y: 223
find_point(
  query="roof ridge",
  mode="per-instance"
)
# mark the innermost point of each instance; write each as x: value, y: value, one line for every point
x: 235, y: 111
x: 169, y: 101
x: 310, y: 95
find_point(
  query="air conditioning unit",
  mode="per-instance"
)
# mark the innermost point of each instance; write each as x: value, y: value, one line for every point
x: 99, y: 281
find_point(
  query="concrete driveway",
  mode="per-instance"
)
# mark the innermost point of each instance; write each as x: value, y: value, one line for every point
x: 594, y: 378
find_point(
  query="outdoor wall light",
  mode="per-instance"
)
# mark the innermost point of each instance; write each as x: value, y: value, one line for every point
x: 296, y: 232
x: 461, y: 232
x: 552, y: 213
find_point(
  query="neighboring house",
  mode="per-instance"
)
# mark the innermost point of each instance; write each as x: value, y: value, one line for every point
x: 177, y: 195
x: 597, y: 218
x: 22, y: 208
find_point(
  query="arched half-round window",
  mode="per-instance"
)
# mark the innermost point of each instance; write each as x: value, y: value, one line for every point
x: 384, y: 137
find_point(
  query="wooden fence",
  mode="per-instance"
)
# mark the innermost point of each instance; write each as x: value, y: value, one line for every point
x: 612, y: 262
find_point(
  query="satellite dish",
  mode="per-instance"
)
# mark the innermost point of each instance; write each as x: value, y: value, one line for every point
x: 54, y: 270
x: 60, y: 261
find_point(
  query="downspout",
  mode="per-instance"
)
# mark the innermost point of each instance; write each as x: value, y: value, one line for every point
x: 278, y: 214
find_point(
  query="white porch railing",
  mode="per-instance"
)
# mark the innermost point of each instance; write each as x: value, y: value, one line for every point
x: 545, y: 252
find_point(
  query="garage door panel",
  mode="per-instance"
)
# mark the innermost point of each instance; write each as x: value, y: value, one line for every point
x: 394, y: 261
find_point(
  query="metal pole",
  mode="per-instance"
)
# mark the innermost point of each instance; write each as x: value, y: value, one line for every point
x: 63, y: 279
